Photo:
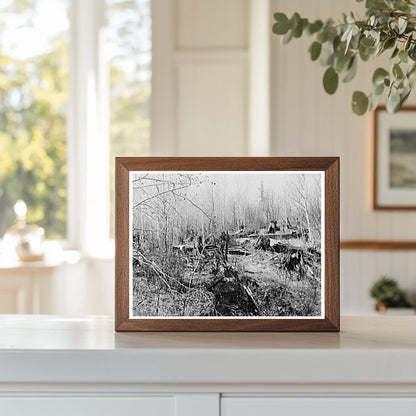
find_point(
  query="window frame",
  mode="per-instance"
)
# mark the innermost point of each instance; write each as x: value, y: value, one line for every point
x: 87, y: 127
x: 87, y: 133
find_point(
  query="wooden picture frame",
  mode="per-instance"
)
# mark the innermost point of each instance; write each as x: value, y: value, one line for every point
x: 394, y: 144
x: 136, y: 170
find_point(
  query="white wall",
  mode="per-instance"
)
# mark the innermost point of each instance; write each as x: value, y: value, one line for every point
x: 201, y: 81
x: 211, y: 92
x: 308, y: 122
x: 215, y: 72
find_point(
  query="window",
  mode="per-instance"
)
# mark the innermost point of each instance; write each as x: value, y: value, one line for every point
x: 75, y: 87
x: 129, y: 46
x: 33, y: 97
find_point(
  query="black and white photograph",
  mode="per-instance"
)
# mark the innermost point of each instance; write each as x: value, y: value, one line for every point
x: 226, y: 244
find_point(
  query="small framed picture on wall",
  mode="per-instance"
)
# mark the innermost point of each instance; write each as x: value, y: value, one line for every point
x: 394, y: 177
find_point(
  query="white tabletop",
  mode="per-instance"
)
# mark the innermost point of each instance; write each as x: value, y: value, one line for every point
x: 376, y: 349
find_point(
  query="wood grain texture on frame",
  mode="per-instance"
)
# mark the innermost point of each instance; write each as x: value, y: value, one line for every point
x: 328, y: 165
x: 375, y: 204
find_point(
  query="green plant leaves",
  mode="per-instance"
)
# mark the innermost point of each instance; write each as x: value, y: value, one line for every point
x: 366, y: 48
x: 300, y: 26
x: 397, y: 71
x: 387, y: 291
x: 288, y: 37
x: 315, y: 50
x: 314, y: 27
x: 376, y: 4
x: 403, y: 56
x: 379, y: 75
x: 359, y: 103
x: 374, y: 102
x: 348, y: 34
x: 341, y: 62
x: 330, y: 81
x: 282, y: 26
x: 339, y: 44
x: 393, y: 100
x: 327, y: 53
x: 351, y: 71
x: 408, y: 42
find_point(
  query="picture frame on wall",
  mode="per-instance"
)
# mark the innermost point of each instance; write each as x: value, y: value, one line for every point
x: 227, y: 244
x: 394, y: 153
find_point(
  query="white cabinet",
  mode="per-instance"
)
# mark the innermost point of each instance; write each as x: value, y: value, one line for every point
x: 51, y: 365
x: 203, y: 405
x: 269, y: 406
x: 88, y: 406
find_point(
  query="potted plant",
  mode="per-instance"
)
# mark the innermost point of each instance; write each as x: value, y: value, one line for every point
x: 387, y: 294
x: 389, y: 27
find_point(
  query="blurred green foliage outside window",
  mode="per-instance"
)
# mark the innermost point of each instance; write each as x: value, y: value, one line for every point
x: 33, y: 101
x: 34, y: 93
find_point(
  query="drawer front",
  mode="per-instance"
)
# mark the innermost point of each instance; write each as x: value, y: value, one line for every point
x: 269, y: 406
x: 87, y: 406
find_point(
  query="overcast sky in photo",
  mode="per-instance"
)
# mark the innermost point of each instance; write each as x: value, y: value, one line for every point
x: 242, y: 183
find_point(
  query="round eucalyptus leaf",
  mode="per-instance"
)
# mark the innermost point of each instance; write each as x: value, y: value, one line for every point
x: 359, y: 103
x: 376, y: 4
x: 374, y: 102
x: 314, y: 27
x: 412, y: 78
x: 315, y: 50
x: 404, y: 96
x: 341, y: 62
x: 397, y: 71
x: 395, y: 52
x: 301, y: 25
x: 379, y: 75
x: 393, y: 101
x: 389, y: 43
x: 288, y: 37
x: 322, y: 36
x: 294, y: 20
x: 400, y: 5
x: 282, y: 26
x: 404, y: 57
x: 412, y: 70
x: 366, y: 53
x: 331, y: 79
x: 378, y: 89
x: 351, y: 72
x: 367, y: 42
x: 327, y: 53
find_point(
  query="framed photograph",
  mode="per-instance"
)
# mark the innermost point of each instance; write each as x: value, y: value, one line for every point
x: 394, y: 179
x: 227, y: 244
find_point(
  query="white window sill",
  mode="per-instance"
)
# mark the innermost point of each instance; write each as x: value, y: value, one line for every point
x: 8, y: 262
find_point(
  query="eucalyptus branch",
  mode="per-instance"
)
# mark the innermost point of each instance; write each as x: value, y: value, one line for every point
x: 389, y: 27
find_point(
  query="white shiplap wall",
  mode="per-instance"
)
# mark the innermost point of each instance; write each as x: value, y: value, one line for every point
x: 211, y: 95
x: 200, y: 77
x: 305, y: 121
